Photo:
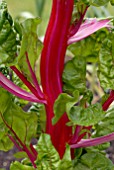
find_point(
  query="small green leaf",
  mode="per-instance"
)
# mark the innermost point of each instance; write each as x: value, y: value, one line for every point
x: 86, y: 116
x: 18, y: 166
x: 30, y: 44
x: 63, y: 103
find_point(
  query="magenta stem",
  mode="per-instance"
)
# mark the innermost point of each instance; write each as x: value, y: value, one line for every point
x: 34, y: 79
x: 76, y: 25
x: 93, y: 141
x: 51, y: 66
x: 107, y: 103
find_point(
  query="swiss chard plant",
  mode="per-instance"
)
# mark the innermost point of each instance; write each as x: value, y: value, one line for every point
x: 46, y: 106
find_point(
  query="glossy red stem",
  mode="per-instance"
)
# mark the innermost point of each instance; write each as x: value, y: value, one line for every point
x: 52, y: 64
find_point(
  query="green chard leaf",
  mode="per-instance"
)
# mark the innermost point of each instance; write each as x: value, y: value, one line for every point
x: 86, y: 116
x: 18, y: 166
x: 74, y: 75
x: 106, y: 66
x: 98, y: 148
x: 85, y: 48
x: 89, y: 47
x: 5, y: 143
x: 23, y: 124
x: 30, y: 44
x: 8, y: 44
x: 48, y: 157
x: 94, y: 161
x: 39, y: 109
x: 63, y: 103
x: 105, y: 126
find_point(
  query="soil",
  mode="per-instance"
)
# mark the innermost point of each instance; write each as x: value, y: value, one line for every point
x: 6, y: 158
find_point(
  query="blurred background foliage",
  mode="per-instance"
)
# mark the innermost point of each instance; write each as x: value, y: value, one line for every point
x: 35, y: 8
x: 41, y: 8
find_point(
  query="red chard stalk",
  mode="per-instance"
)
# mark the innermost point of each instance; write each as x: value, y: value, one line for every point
x: 52, y: 64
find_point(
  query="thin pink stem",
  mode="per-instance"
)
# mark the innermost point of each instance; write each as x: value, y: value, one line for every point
x: 12, y: 88
x: 94, y: 141
x: 76, y: 25
x: 76, y: 135
x: 25, y: 81
x: 34, y: 79
x: 33, y: 151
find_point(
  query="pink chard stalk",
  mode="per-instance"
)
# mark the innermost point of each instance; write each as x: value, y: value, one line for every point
x: 60, y: 33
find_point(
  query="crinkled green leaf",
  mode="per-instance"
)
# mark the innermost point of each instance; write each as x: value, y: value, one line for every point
x: 24, y: 124
x: 30, y: 44
x: 18, y: 166
x: 86, y: 116
x: 106, y: 66
x: 105, y: 126
x: 66, y: 162
x: 8, y: 45
x: 48, y: 157
x: 74, y: 75
x: 63, y: 103
x: 94, y: 161
x: 90, y: 46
